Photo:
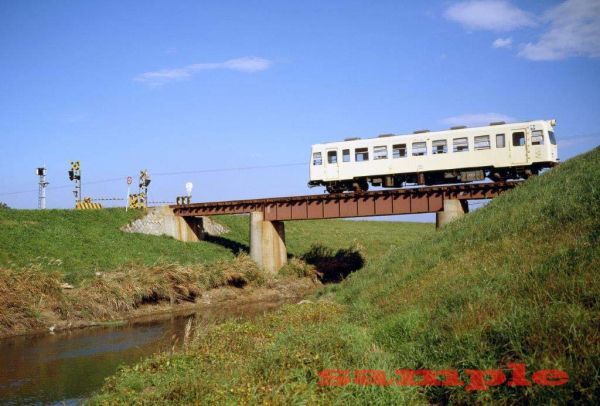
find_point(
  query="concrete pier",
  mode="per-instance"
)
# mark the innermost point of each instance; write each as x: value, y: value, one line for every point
x: 267, y: 242
x: 453, y: 209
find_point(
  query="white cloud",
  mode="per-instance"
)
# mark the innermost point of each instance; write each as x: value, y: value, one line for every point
x: 474, y: 120
x: 493, y: 15
x: 248, y: 64
x: 574, y: 31
x: 502, y: 43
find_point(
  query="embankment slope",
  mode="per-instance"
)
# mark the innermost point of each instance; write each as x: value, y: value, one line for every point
x: 116, y: 275
x: 513, y: 282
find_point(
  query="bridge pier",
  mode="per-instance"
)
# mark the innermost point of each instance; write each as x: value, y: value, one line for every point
x: 267, y: 242
x: 453, y: 210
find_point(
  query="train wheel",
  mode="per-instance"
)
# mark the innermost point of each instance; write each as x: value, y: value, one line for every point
x: 334, y: 189
x: 360, y: 186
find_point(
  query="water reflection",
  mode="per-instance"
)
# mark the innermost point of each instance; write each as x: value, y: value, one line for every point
x: 68, y: 366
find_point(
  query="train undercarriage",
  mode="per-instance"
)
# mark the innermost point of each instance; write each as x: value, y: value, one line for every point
x: 361, y: 184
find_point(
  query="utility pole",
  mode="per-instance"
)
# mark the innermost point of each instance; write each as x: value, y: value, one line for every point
x: 75, y: 175
x: 41, y: 172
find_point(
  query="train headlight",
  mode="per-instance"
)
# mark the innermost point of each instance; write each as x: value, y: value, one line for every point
x: 553, y: 122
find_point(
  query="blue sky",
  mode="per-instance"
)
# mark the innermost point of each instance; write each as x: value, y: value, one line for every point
x: 193, y: 85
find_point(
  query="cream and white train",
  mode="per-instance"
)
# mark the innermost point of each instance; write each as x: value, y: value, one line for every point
x: 498, y: 151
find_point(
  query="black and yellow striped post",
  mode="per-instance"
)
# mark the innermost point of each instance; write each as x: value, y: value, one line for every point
x: 137, y: 201
x: 87, y: 204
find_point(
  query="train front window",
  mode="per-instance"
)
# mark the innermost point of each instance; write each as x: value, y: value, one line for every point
x: 419, y: 148
x: 380, y: 153
x: 482, y: 142
x: 332, y: 157
x: 439, y: 147
x: 361, y: 154
x: 537, y: 137
x: 518, y: 139
x: 551, y: 136
x: 346, y: 155
x: 500, y: 141
x: 399, y: 151
x: 460, y: 144
x: 317, y: 159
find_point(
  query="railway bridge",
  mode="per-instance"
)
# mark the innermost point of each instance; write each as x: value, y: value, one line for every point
x: 267, y: 216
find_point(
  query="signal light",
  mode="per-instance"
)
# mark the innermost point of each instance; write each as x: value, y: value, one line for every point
x: 74, y: 175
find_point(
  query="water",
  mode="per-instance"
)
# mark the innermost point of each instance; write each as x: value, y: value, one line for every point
x: 68, y: 366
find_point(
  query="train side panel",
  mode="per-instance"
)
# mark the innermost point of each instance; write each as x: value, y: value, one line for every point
x: 501, y: 146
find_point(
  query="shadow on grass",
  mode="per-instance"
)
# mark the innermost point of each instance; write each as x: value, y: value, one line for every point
x: 333, y: 267
x: 233, y: 246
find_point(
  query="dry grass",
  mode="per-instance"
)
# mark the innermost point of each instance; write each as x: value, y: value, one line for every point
x: 27, y: 296
x: 34, y: 299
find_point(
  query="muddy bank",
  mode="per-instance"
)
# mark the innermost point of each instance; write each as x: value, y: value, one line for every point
x: 32, y: 301
x: 66, y: 367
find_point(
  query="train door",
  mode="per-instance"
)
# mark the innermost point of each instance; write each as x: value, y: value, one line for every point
x: 331, y: 164
x: 518, y: 146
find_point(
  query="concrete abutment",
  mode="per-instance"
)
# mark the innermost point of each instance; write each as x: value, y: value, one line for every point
x: 453, y: 210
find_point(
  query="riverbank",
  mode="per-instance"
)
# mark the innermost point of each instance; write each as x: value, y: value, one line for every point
x: 67, y: 367
x: 35, y: 302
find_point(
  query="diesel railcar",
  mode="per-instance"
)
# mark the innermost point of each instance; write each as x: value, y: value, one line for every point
x: 499, y: 151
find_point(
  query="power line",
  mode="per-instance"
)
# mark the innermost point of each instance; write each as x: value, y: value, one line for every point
x: 121, y: 178
x: 242, y: 168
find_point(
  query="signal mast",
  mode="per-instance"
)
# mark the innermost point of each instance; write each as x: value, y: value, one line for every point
x: 41, y: 172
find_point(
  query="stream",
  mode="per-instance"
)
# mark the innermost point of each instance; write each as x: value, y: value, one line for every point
x: 67, y: 367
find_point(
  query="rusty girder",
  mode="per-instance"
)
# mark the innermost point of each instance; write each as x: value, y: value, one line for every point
x: 376, y: 203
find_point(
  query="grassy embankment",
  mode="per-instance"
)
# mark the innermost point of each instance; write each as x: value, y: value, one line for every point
x: 116, y: 272
x: 513, y: 282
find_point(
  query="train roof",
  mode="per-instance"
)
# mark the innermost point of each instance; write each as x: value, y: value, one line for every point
x: 428, y: 134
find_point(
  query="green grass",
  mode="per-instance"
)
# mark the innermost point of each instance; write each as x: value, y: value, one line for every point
x: 80, y: 243
x: 513, y: 282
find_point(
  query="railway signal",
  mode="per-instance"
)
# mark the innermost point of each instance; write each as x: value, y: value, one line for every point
x: 144, y: 182
x: 41, y: 172
x: 75, y: 176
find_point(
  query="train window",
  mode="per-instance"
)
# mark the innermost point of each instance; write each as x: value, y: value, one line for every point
x: 439, y: 147
x: 317, y: 160
x: 460, y: 144
x: 379, y: 153
x: 482, y: 142
x: 346, y: 155
x: 332, y: 157
x: 500, y: 141
x: 361, y: 154
x: 518, y: 139
x: 399, y: 151
x: 537, y: 137
x: 551, y: 136
x: 419, y: 148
